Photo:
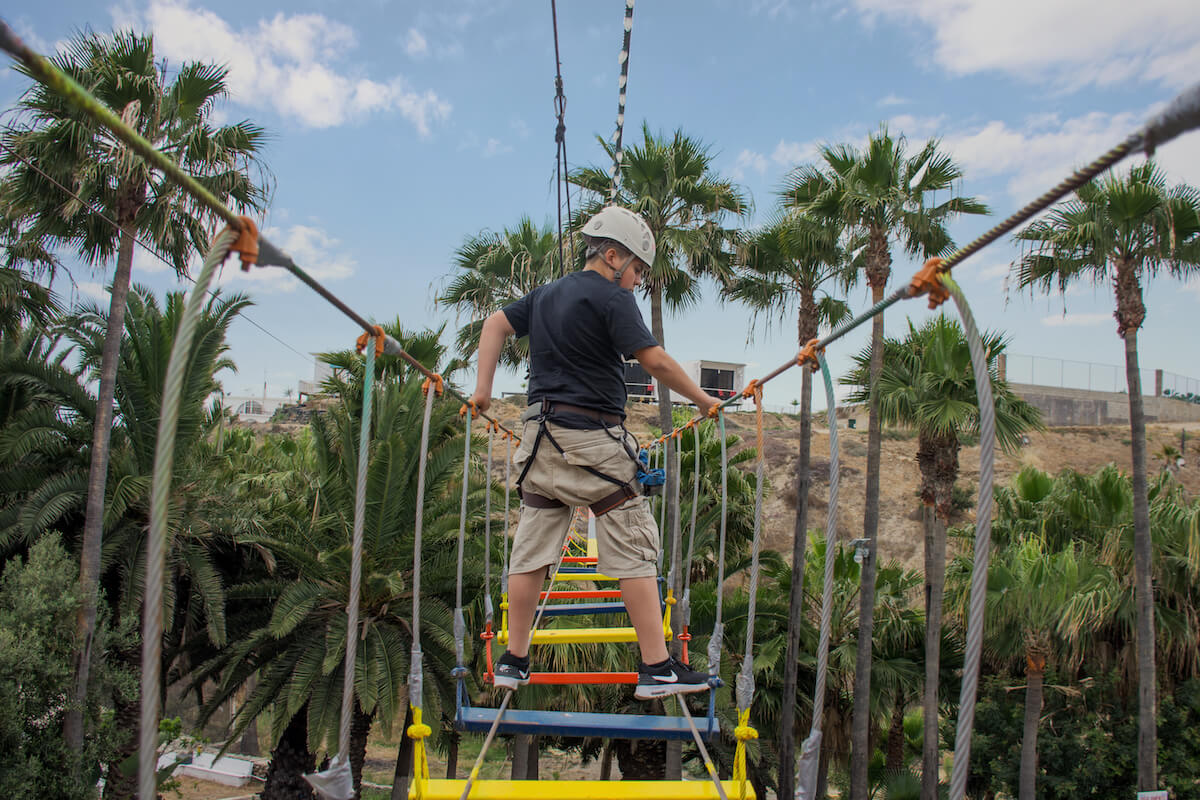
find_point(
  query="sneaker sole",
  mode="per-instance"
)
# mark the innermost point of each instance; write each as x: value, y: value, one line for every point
x: 508, y: 683
x: 652, y: 691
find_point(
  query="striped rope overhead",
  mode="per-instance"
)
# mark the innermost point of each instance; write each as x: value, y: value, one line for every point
x: 618, y: 153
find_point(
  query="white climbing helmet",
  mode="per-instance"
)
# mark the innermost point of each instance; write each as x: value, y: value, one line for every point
x: 623, y: 226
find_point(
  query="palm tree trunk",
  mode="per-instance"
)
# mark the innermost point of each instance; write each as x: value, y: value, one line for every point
x: 895, y: 738
x: 452, y: 757
x: 404, y: 757
x: 89, y: 551
x: 787, y: 712
x: 360, y: 729
x: 935, y: 580
x: 1144, y: 589
x: 532, y: 762
x: 674, y: 748
x: 290, y: 760
x: 1036, y: 665
x: 606, y: 761
x: 249, y: 743
x: 520, y: 756
x: 121, y: 783
x: 860, y: 753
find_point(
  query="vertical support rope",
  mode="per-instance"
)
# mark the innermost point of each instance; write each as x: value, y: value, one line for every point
x: 718, y: 632
x: 745, y: 679
x: 507, y: 511
x: 356, y: 555
x: 623, y: 82
x: 983, y: 541
x: 460, y: 625
x: 415, y: 669
x: 810, y: 752
x: 487, y: 529
x: 156, y: 546
x: 676, y: 533
x: 662, y: 505
x: 685, y: 609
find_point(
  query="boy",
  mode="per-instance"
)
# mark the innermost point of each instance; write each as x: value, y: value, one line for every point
x: 575, y: 450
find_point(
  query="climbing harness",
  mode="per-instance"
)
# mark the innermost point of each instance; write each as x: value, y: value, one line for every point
x: 1180, y: 115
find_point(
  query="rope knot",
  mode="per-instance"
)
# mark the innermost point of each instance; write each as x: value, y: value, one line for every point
x: 435, y: 380
x: 808, y: 354
x: 744, y: 733
x: 928, y: 280
x: 714, y: 411
x: 378, y: 335
x: 752, y: 390
x: 469, y: 406
x: 419, y: 730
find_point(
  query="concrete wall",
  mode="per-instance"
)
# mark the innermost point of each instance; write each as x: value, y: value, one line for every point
x: 1064, y: 407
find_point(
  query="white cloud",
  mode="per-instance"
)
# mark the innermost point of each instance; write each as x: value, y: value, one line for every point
x: 145, y: 263
x: 314, y: 250
x: 915, y: 127
x: 94, y: 290
x: 893, y: 99
x: 1071, y: 43
x: 415, y: 44
x: 791, y: 154
x: 748, y: 161
x: 494, y: 147
x: 291, y: 63
x: 1076, y: 320
x: 520, y: 127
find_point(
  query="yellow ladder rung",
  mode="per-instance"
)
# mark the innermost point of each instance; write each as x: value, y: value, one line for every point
x: 438, y: 789
x: 580, y: 636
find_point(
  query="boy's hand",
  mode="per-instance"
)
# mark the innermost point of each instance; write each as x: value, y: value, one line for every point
x: 709, y: 403
x: 482, y: 400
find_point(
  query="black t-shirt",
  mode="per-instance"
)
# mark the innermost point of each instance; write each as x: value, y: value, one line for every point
x: 579, y: 328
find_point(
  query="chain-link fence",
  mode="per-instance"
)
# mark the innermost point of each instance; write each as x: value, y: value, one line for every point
x: 1089, y: 375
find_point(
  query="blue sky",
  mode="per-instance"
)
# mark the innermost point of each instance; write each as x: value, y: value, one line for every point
x: 398, y: 129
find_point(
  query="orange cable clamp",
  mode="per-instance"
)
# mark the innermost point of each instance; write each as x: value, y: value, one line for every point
x: 752, y: 389
x: 246, y: 243
x: 462, y: 412
x: 439, y: 386
x: 928, y: 279
x: 361, y: 343
x: 808, y: 354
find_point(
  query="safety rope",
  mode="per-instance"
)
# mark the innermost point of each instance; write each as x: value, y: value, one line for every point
x: 685, y: 606
x: 623, y: 82
x: 415, y: 668
x: 156, y: 545
x: 507, y: 512
x: 810, y: 750
x: 487, y: 531
x: 745, y: 678
x: 662, y: 502
x: 560, y: 140
x: 356, y: 555
x: 718, y: 632
x: 983, y: 541
x: 709, y: 766
x: 676, y: 533
x: 460, y: 625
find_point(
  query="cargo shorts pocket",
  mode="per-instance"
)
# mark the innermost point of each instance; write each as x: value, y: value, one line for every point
x: 632, y: 538
x: 597, y: 450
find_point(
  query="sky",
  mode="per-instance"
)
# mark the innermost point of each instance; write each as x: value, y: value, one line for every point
x: 398, y: 129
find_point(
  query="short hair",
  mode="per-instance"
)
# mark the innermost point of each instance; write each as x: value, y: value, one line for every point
x: 597, y: 245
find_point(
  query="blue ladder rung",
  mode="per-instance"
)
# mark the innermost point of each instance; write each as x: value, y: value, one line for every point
x: 578, y: 723
x: 573, y: 570
x: 578, y: 609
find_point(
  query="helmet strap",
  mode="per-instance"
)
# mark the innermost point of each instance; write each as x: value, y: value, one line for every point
x: 617, y: 273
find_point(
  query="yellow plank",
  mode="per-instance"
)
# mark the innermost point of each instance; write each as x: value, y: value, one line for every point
x: 579, y: 635
x: 575, y: 790
x: 587, y: 576
x: 592, y: 550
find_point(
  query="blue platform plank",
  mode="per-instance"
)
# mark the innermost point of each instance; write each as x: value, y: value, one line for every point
x: 577, y: 723
x: 578, y: 609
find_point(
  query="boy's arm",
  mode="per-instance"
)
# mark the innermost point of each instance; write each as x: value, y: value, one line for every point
x: 496, y: 329
x: 658, y: 362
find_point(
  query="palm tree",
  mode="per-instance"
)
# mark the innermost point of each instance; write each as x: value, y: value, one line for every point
x: 788, y: 261
x: 65, y: 144
x: 294, y: 634
x: 1125, y: 229
x: 496, y: 269
x: 928, y: 383
x: 882, y: 195
x: 1028, y: 592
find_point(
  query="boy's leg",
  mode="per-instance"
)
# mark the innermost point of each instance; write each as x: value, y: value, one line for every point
x: 645, y: 613
x: 523, y: 591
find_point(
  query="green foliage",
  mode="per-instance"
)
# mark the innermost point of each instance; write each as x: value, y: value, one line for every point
x: 1093, y: 750
x: 37, y: 613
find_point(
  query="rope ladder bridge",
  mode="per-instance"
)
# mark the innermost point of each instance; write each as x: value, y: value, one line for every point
x: 578, y: 561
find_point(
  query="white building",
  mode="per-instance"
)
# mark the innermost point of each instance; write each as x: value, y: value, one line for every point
x: 721, y: 379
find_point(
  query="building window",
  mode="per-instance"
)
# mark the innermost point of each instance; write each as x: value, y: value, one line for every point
x: 716, y: 379
x: 637, y: 381
x: 249, y: 407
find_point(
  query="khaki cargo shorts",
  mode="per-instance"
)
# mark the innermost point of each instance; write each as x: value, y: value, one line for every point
x: 626, y: 537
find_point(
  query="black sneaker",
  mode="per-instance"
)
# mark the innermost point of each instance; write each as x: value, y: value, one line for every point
x: 668, y: 678
x: 511, y: 671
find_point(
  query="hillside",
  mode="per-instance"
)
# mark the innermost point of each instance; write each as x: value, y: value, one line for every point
x: 1084, y: 449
